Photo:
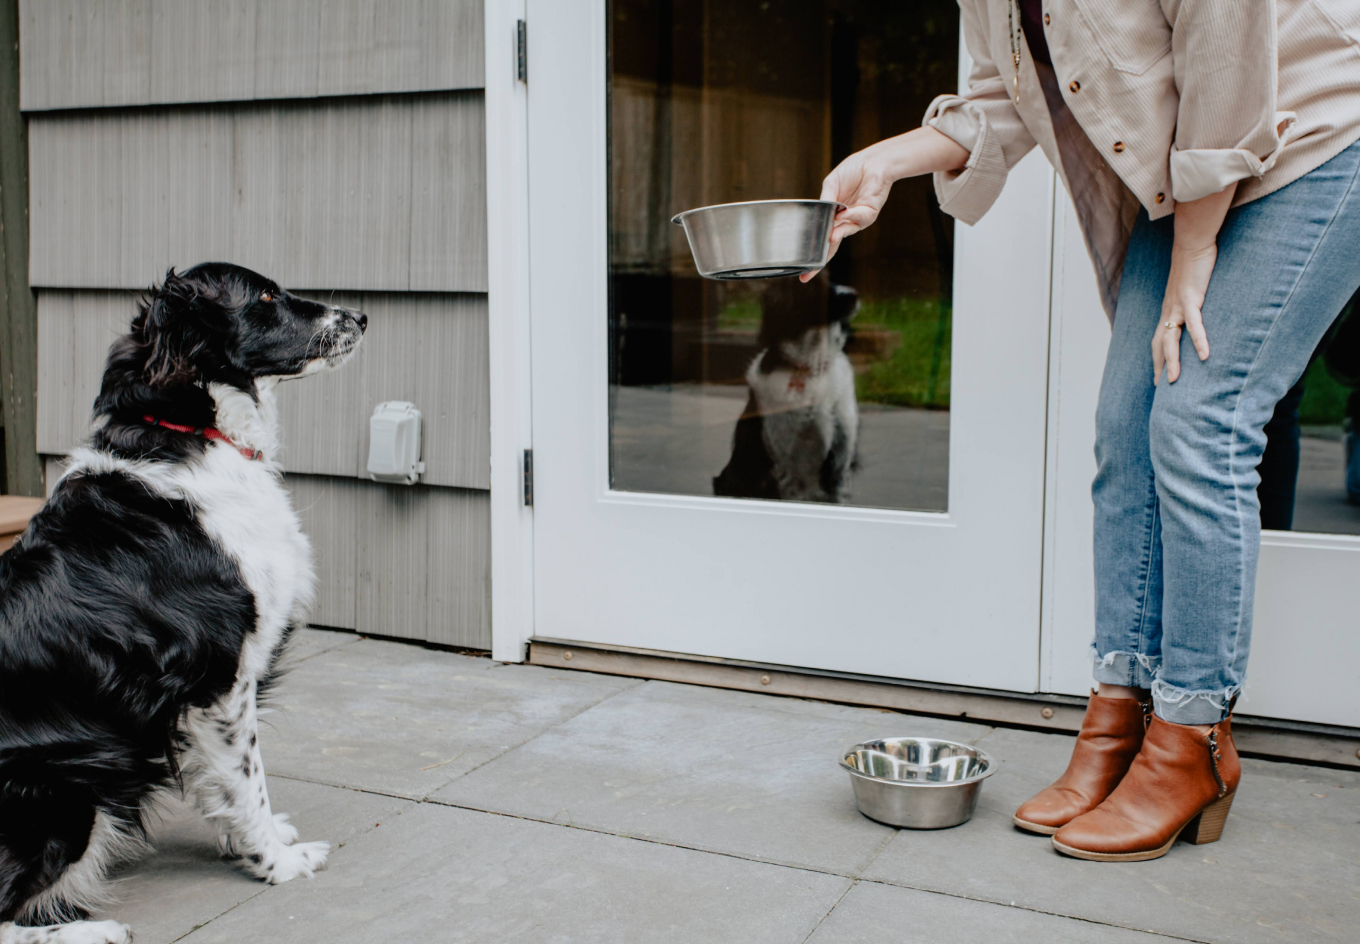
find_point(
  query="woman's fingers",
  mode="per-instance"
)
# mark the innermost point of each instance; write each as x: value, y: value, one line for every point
x: 1194, y: 323
x: 835, y: 244
x: 848, y: 186
x: 1166, y: 343
x: 844, y: 227
x: 1171, y: 352
x: 859, y: 215
x: 1166, y: 352
x: 831, y: 188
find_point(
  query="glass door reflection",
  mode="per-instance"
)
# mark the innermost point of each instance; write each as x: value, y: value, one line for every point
x: 1310, y: 472
x: 836, y: 391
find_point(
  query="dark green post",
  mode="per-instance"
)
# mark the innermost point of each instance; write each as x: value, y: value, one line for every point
x: 19, y: 320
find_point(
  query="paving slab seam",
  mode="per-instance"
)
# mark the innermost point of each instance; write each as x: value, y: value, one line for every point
x: 298, y: 660
x: 199, y: 927
x: 535, y: 737
x: 657, y: 842
x: 413, y: 798
x: 423, y: 797
x: 991, y: 730
x: 873, y: 856
x: 834, y: 905
x: 1052, y: 914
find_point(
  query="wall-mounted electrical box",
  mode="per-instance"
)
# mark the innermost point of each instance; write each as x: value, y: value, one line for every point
x: 394, y: 443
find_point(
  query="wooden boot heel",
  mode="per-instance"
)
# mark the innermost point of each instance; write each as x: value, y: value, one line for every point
x: 1208, y: 825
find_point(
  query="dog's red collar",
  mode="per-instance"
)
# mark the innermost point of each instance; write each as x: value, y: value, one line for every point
x: 207, y: 432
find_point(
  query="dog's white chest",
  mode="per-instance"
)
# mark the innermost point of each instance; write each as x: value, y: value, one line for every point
x: 245, y: 510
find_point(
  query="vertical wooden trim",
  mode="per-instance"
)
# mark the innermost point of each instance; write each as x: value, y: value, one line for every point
x: 507, y: 189
x: 19, y: 323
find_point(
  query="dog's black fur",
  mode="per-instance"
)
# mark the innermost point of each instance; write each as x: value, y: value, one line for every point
x: 118, y: 612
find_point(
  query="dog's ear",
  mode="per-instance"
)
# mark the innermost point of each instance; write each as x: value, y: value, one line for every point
x: 844, y: 302
x: 173, y: 325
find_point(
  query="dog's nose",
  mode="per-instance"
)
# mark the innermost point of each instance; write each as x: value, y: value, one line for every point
x: 362, y: 318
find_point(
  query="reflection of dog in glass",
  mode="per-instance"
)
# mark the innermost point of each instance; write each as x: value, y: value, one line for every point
x: 797, y: 438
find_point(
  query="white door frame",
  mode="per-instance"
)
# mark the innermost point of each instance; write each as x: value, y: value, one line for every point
x: 507, y: 233
x: 1079, y: 335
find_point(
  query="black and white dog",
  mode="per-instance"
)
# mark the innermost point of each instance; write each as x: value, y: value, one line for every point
x: 145, y: 608
x: 798, y: 437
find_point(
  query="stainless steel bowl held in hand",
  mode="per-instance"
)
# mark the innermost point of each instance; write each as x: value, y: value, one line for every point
x: 917, y: 783
x: 762, y: 239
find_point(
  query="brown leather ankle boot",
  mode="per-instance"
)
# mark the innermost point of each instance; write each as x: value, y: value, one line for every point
x: 1111, y: 734
x: 1181, y: 784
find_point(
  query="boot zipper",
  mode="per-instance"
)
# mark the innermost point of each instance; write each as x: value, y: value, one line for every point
x: 1214, y: 758
x: 1147, y: 714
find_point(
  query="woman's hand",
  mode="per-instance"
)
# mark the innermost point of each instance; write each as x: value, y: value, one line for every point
x: 1193, y: 255
x: 1191, y: 270
x: 862, y: 181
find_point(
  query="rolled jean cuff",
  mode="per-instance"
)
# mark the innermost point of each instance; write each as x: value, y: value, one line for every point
x: 1132, y: 669
x: 1182, y: 706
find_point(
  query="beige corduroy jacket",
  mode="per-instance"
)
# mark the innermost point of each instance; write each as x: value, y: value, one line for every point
x: 1153, y: 101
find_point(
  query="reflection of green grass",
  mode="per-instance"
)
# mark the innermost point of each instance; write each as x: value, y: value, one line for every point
x: 743, y: 315
x: 1324, y: 400
x: 917, y: 372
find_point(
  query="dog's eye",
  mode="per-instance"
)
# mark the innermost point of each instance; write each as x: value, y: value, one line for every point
x: 266, y: 297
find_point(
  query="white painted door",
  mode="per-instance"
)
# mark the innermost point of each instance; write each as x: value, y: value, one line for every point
x: 932, y: 569
x: 1305, y: 660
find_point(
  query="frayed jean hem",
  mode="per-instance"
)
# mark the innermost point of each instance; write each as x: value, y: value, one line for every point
x: 1182, y: 706
x: 1133, y: 669
x: 1177, y: 705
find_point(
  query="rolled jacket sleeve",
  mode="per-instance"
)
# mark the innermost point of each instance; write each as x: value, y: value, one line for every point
x: 1227, y: 125
x: 984, y: 121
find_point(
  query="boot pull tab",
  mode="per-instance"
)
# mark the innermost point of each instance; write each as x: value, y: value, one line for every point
x: 1214, y: 758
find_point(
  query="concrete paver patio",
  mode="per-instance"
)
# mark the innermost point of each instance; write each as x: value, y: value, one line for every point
x: 467, y: 800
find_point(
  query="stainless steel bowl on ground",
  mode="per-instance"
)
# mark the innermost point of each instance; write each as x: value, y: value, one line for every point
x: 917, y: 783
x: 761, y: 239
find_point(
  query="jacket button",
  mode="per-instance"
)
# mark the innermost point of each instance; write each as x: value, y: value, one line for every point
x: 1075, y: 86
x: 1045, y: 19
x: 1161, y: 198
x: 1119, y: 147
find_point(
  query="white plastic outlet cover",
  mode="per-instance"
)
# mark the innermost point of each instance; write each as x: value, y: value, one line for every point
x: 394, y: 443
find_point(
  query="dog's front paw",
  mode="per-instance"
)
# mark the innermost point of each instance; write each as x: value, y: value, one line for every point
x: 101, y: 932
x: 285, y: 830
x: 302, y: 858
x: 77, y: 932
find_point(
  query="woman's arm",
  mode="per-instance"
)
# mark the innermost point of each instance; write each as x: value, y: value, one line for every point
x: 970, y: 141
x: 1225, y: 57
x: 1193, y: 255
x: 862, y: 181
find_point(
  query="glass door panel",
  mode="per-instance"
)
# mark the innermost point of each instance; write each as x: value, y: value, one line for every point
x: 837, y: 391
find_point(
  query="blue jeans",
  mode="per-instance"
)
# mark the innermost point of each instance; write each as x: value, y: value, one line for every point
x: 1177, y: 519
